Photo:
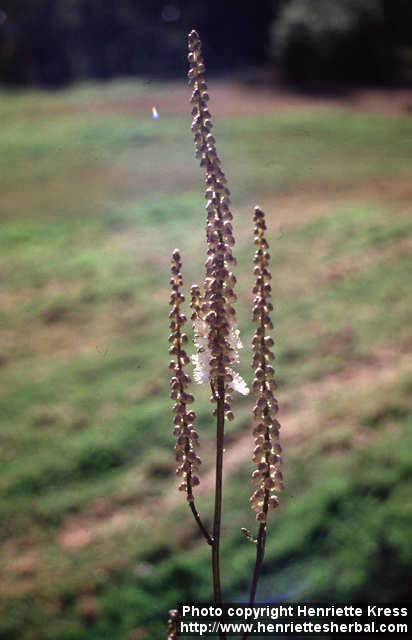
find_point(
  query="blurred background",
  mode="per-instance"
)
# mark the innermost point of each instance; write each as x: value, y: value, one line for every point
x: 311, y: 105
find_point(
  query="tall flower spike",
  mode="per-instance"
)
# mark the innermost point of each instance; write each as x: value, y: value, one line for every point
x: 266, y: 455
x: 216, y: 336
x: 184, y: 430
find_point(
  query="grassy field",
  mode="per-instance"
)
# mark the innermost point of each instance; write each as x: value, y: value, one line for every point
x: 95, y: 541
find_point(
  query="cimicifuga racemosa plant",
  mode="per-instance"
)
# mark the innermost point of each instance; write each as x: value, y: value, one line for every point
x: 217, y: 344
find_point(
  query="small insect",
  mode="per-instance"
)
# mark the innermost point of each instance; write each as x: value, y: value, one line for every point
x: 155, y: 114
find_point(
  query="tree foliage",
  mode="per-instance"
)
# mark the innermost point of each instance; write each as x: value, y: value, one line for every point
x: 52, y: 42
x: 334, y: 41
x: 55, y: 41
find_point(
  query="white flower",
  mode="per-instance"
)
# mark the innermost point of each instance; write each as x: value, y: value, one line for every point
x: 234, y: 341
x: 201, y: 371
x: 238, y: 384
x: 201, y: 361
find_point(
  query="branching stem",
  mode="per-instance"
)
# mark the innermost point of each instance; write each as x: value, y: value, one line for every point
x: 200, y: 524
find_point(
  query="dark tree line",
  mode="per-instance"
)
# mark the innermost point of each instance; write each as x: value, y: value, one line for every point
x: 52, y: 42
x: 335, y: 41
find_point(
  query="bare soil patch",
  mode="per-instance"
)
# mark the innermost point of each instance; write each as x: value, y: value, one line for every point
x: 299, y: 419
x: 231, y: 99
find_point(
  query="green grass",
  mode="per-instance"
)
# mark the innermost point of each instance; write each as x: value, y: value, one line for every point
x: 93, y: 202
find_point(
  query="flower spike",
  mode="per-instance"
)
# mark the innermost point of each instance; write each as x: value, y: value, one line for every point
x: 266, y: 455
x: 216, y: 335
x: 184, y: 430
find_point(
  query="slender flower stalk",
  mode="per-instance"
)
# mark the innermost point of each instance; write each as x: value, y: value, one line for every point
x: 184, y: 429
x: 267, y: 476
x: 216, y: 335
x: 214, y: 318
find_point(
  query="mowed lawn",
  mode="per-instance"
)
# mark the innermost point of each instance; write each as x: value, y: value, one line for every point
x: 96, y: 542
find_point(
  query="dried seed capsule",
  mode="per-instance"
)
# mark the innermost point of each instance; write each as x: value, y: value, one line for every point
x: 273, y: 502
